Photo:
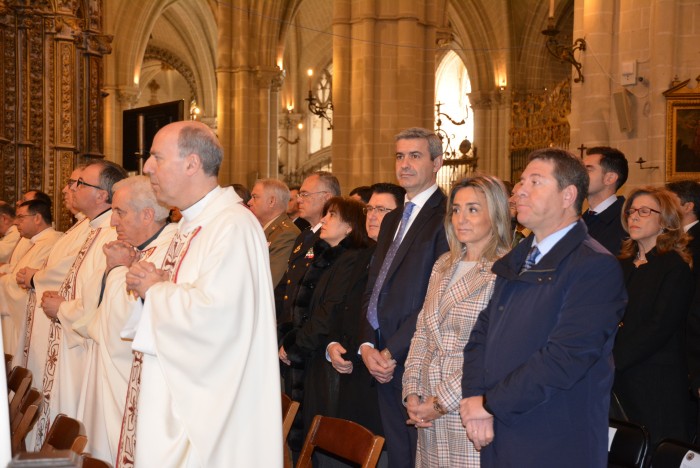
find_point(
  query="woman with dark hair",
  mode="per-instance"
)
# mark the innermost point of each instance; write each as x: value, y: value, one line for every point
x: 651, y: 375
x: 357, y: 392
x: 321, y: 296
x: 478, y: 231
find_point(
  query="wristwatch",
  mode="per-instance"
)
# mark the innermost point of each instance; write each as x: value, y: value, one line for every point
x: 438, y: 407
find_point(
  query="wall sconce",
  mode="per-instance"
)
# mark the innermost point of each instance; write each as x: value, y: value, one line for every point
x: 316, y: 107
x: 562, y: 52
x: 288, y: 124
x: 641, y: 162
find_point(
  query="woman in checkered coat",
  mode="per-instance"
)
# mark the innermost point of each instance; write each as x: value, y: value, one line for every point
x: 478, y: 231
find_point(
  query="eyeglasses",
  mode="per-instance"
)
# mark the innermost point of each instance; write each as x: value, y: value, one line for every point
x: 643, y: 211
x: 80, y: 182
x: 305, y: 195
x: 25, y: 216
x: 369, y: 209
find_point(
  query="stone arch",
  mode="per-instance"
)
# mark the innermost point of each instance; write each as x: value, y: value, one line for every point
x: 165, y: 56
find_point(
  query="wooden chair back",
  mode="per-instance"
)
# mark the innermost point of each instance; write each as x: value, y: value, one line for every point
x: 26, y: 418
x: 289, y: 412
x: 18, y: 383
x: 65, y: 434
x: 346, y: 439
x: 90, y: 462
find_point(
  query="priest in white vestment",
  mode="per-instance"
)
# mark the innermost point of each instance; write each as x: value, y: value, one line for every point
x: 77, y: 297
x: 143, y: 234
x: 209, y: 392
x: 9, y: 235
x: 33, y: 220
x: 34, y: 335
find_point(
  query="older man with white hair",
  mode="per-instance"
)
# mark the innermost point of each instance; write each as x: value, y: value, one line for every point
x: 268, y: 202
x: 142, y: 234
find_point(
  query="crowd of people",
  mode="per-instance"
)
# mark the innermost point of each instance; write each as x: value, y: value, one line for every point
x: 495, y: 325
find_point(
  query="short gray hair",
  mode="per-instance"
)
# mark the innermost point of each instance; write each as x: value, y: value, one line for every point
x: 143, y: 196
x: 418, y: 133
x: 330, y: 181
x: 201, y: 140
x: 279, y: 189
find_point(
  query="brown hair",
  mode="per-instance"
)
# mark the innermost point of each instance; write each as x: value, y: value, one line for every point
x: 672, y: 236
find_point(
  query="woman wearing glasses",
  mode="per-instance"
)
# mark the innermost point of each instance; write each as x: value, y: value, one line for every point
x: 651, y: 376
x: 478, y: 231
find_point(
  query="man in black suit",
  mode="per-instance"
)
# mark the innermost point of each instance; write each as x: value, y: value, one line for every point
x: 410, y: 241
x: 607, y: 170
x: 688, y: 194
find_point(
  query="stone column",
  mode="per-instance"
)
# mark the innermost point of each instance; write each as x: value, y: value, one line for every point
x: 246, y: 114
x: 590, y: 101
x: 383, y: 82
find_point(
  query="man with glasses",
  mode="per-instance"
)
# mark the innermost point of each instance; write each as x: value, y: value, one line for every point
x: 268, y: 202
x: 33, y: 220
x: 317, y: 188
x: 77, y: 297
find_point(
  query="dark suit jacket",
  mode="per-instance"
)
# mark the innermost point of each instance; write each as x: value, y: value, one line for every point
x: 299, y: 261
x: 541, y: 354
x: 406, y: 283
x: 606, y: 227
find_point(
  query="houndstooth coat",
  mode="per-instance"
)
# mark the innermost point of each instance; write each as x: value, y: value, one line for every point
x: 434, y: 363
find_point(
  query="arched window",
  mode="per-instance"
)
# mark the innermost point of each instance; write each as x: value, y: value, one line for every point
x: 454, y: 121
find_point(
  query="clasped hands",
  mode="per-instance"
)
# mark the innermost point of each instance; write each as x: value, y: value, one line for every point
x: 421, y: 412
x: 379, y: 364
x: 477, y: 421
x: 142, y: 276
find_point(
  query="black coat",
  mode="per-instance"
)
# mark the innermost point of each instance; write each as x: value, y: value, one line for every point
x: 651, y: 376
x: 357, y: 392
x: 304, y: 333
x: 606, y: 227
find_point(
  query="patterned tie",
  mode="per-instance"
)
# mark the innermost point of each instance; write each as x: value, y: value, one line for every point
x: 391, y: 253
x: 530, y: 260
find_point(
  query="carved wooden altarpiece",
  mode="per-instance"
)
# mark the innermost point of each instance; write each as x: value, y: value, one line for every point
x: 50, y: 89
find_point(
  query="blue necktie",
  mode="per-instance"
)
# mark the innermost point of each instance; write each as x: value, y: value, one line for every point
x: 391, y: 253
x: 530, y: 260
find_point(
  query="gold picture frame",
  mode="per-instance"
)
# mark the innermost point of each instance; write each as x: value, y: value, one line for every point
x: 683, y: 131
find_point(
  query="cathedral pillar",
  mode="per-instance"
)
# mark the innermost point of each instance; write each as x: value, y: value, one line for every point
x: 491, y: 123
x: 590, y: 100
x: 248, y: 82
x: 383, y: 82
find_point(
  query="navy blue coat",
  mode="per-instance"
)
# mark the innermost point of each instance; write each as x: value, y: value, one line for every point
x: 541, y: 354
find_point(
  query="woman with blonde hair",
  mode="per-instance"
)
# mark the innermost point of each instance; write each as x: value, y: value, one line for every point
x: 651, y: 375
x: 478, y: 232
